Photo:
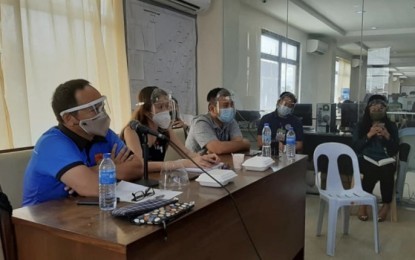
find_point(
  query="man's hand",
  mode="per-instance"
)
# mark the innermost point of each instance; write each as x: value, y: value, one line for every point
x: 122, y: 156
x: 207, y: 160
x: 69, y: 190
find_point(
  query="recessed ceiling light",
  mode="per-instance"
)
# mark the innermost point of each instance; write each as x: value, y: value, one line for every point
x: 360, y: 12
x: 373, y: 28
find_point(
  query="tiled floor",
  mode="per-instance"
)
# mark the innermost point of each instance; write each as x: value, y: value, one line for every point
x: 397, y: 239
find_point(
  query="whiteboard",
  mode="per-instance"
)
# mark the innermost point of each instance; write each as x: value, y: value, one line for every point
x: 161, y: 51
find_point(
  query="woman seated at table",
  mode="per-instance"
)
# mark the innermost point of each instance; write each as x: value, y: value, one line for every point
x: 153, y: 111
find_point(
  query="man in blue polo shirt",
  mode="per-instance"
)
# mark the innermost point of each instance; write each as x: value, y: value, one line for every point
x: 282, y: 119
x: 65, y: 157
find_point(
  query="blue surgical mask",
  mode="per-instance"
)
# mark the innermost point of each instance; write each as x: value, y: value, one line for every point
x: 226, y: 115
x: 284, y: 110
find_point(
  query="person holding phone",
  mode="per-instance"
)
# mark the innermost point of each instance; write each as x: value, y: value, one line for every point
x: 376, y: 137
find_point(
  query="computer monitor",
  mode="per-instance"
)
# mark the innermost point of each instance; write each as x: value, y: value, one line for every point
x: 305, y: 113
x: 247, y: 115
x: 349, y: 116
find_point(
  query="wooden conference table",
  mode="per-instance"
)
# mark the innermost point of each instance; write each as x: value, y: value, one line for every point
x: 272, y: 204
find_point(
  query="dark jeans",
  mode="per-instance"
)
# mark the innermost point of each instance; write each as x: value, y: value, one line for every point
x: 373, y: 173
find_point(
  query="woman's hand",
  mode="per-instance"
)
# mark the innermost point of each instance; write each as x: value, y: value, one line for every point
x: 177, y: 124
x: 373, y: 131
x: 380, y: 130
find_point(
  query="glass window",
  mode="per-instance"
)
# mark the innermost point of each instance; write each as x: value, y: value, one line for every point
x: 342, y: 80
x: 279, y: 68
x: 291, y: 53
x: 288, y: 77
x: 269, y: 45
x: 269, y: 83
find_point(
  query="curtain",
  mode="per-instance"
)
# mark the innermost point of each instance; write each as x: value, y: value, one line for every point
x: 47, y: 42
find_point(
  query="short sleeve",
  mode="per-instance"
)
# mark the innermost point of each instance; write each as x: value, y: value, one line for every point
x: 55, y: 153
x: 203, y: 133
x: 235, y: 131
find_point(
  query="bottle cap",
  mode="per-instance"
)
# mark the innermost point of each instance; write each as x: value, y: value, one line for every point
x: 266, y: 124
x: 107, y: 155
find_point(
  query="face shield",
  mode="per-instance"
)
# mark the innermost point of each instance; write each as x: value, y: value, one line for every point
x: 93, y: 108
x: 97, y: 122
x: 162, y: 107
x: 225, y: 106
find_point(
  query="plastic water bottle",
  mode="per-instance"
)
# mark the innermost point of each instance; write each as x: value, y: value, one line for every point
x: 290, y: 143
x: 107, y: 184
x: 266, y: 141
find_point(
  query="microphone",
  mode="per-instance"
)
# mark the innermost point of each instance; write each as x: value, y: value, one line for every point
x: 137, y: 126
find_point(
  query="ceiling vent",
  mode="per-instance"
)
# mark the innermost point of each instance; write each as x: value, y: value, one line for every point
x: 188, y: 6
x: 317, y: 47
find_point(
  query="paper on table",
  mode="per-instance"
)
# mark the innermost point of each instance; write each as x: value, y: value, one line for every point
x: 217, y: 166
x: 125, y: 189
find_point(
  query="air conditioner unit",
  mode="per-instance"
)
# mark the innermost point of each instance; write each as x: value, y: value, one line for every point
x: 317, y: 46
x: 188, y: 6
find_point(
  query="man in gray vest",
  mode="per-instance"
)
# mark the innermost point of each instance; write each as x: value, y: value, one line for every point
x: 217, y: 131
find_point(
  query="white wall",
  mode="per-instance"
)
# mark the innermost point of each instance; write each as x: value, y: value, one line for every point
x: 229, y: 56
x: 209, y: 52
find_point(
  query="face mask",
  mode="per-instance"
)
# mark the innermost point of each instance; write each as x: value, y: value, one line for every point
x: 162, y: 119
x: 376, y: 116
x: 284, y: 111
x: 97, y: 125
x: 226, y: 115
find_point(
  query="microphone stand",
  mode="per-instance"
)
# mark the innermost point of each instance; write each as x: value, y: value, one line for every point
x: 145, y: 181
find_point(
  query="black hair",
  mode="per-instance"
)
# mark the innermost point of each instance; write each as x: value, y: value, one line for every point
x: 288, y: 94
x: 377, y: 97
x: 64, y: 96
x: 211, y: 96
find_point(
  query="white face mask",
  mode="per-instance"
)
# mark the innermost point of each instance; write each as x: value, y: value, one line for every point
x: 97, y: 125
x: 162, y: 119
x: 284, y: 110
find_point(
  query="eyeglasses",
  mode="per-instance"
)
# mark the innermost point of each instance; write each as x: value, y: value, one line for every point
x: 139, y: 195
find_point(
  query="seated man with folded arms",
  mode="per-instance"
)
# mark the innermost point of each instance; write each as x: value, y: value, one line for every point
x: 217, y: 131
x: 66, y: 157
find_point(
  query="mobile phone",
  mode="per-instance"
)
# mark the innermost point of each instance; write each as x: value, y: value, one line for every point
x: 90, y: 201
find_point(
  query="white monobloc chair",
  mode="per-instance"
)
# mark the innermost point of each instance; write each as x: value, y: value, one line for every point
x: 337, y: 197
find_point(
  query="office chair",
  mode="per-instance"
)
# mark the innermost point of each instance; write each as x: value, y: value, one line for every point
x: 338, y: 197
x: 6, y: 228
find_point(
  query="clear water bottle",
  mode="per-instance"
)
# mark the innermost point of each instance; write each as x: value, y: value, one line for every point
x: 107, y: 184
x: 266, y: 141
x: 290, y: 143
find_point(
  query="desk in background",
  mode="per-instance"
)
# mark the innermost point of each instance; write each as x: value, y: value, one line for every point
x: 313, y: 139
x: 272, y: 205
